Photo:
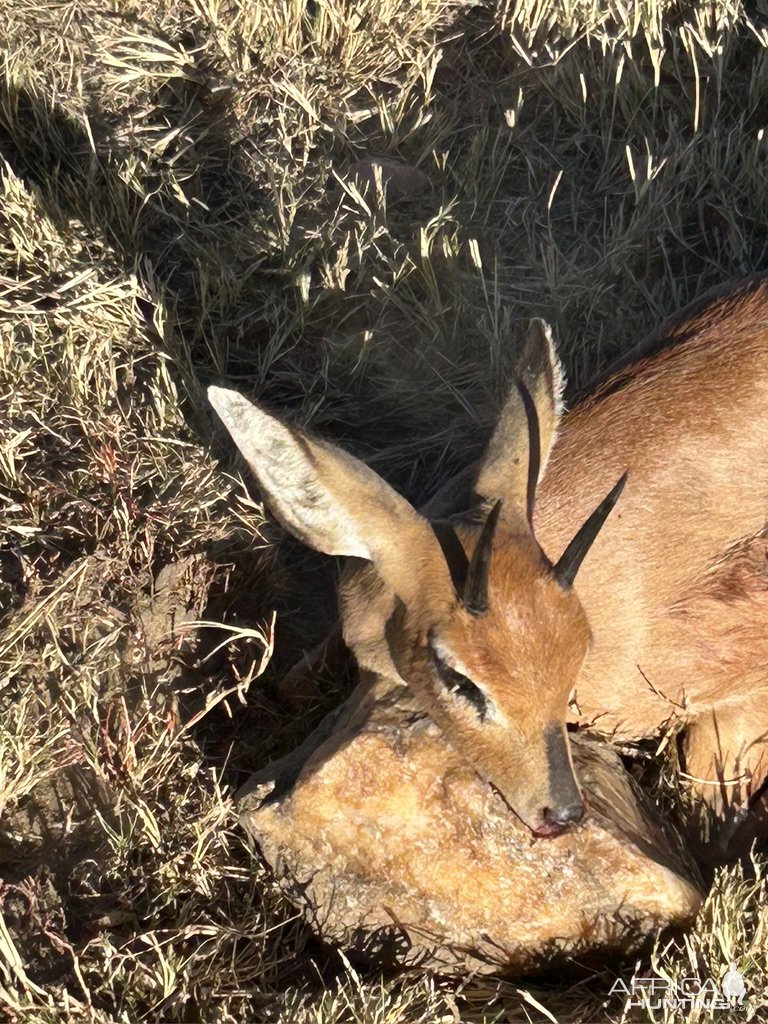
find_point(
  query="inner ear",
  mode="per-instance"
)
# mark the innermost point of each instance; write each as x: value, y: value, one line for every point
x: 542, y: 373
x: 338, y: 505
x: 516, y: 456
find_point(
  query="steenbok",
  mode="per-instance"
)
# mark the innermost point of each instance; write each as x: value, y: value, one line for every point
x: 472, y: 602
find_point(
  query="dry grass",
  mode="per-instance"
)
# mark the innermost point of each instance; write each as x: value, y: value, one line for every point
x: 177, y: 207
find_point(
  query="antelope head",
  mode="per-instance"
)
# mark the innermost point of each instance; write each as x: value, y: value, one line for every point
x: 487, y: 632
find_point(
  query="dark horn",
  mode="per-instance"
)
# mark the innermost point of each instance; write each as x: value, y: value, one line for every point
x: 570, y: 560
x: 453, y: 552
x: 476, y: 589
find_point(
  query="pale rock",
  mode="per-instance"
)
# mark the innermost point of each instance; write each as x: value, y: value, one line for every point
x: 394, y: 849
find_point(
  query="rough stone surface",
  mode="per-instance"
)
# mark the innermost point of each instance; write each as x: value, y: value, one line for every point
x: 395, y: 850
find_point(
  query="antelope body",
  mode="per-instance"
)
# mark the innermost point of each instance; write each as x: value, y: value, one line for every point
x: 676, y: 586
x: 666, y: 623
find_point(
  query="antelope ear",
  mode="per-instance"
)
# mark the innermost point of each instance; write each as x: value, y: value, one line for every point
x: 335, y: 503
x: 542, y: 373
x: 517, y: 454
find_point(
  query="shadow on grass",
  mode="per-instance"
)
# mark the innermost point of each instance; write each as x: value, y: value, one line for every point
x: 184, y: 251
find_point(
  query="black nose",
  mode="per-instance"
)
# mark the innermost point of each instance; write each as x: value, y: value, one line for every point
x: 568, y: 815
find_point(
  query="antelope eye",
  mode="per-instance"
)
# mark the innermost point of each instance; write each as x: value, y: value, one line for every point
x: 459, y: 684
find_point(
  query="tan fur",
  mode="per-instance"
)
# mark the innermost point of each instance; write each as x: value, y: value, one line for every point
x: 525, y: 653
x: 674, y: 590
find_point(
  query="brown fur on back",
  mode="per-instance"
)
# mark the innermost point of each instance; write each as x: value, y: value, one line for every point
x: 745, y: 300
x: 687, y: 416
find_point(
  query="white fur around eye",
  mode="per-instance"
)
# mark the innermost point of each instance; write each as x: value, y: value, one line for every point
x: 450, y: 661
x: 449, y: 658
